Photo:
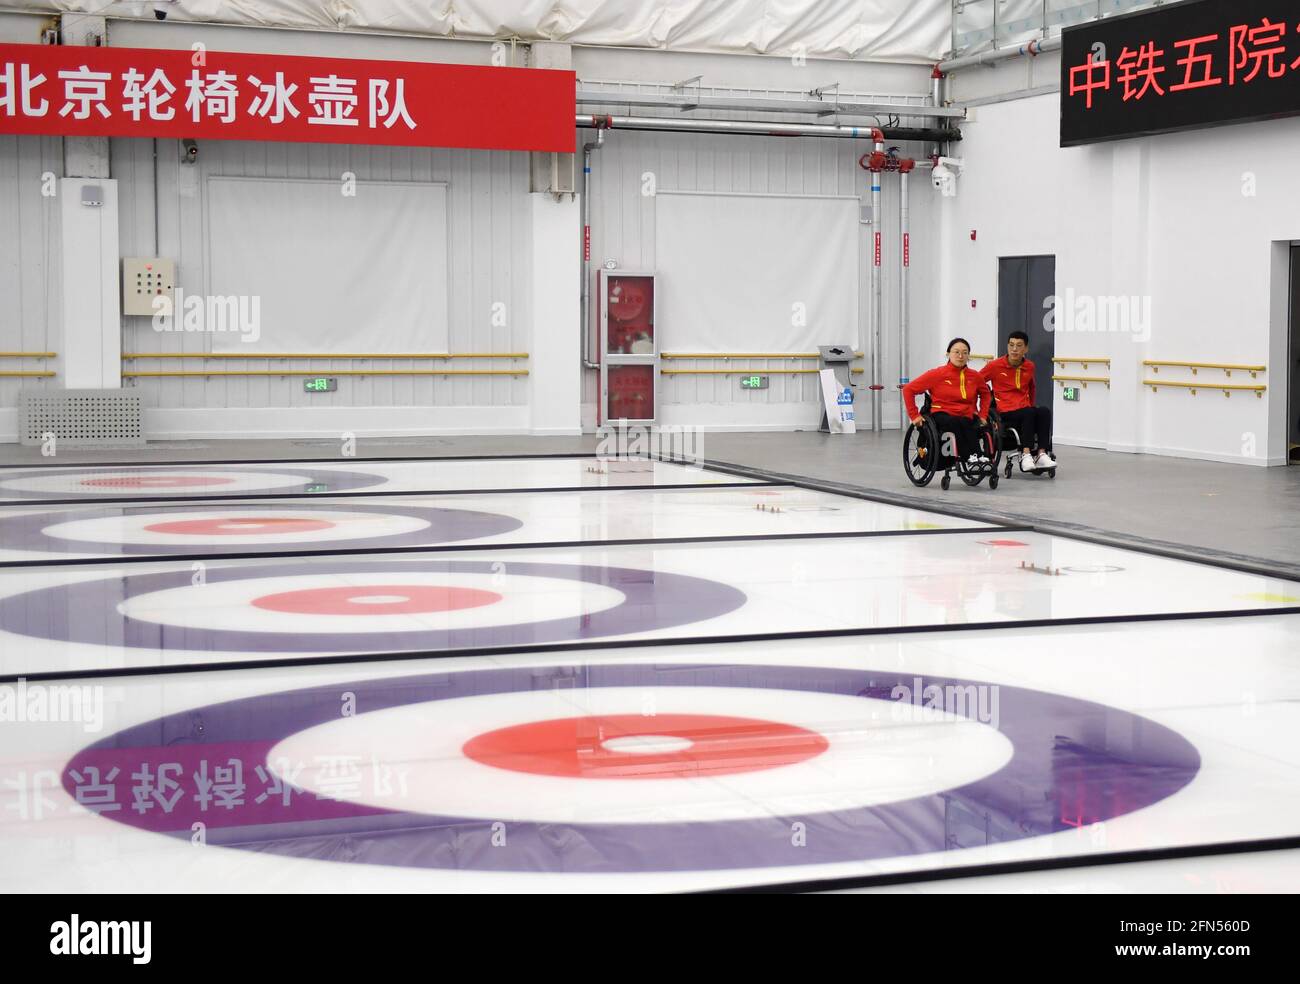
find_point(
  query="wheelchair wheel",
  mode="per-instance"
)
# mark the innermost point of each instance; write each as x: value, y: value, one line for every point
x: 990, y: 447
x: 1009, y: 442
x: 946, y: 482
x: 991, y: 442
x: 920, y: 453
x: 993, y: 480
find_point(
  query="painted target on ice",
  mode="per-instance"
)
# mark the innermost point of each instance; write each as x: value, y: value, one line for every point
x: 631, y: 768
x: 163, y: 482
x: 161, y: 530
x: 339, y: 606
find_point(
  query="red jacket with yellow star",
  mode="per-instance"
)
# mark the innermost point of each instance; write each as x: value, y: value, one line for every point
x: 1013, y: 386
x: 959, y: 392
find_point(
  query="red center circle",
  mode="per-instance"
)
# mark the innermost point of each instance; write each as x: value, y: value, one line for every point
x: 377, y: 599
x: 155, y: 481
x: 577, y: 747
x: 240, y: 525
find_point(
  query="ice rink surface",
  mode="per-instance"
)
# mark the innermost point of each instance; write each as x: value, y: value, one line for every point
x: 620, y: 676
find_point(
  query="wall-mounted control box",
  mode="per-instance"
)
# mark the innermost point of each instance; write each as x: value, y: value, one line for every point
x: 145, y: 278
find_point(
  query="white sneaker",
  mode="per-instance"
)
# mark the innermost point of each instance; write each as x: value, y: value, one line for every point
x: 1027, y: 462
x: 1045, y: 460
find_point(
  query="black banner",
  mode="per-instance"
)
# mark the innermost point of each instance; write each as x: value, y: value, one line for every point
x: 1195, y: 64
x: 336, y: 936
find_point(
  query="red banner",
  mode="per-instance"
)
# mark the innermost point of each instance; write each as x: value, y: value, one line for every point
x: 142, y: 92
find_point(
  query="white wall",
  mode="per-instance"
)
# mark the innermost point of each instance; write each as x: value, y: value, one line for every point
x: 623, y: 216
x: 556, y: 380
x: 490, y: 228
x: 30, y: 298
x: 623, y: 230
x: 1162, y: 217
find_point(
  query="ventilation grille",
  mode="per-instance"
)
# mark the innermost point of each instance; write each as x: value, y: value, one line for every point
x: 81, y: 418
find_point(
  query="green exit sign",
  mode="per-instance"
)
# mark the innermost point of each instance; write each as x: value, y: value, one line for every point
x: 753, y: 382
x: 1070, y: 393
x: 320, y: 384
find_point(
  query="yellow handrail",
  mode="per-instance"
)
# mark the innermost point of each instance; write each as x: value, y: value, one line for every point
x: 1227, y: 367
x: 1083, y: 379
x: 1155, y: 385
x: 745, y: 355
x: 328, y: 372
x: 22, y: 372
x: 28, y: 355
x: 323, y: 355
x: 738, y: 372
x: 746, y: 372
x: 984, y: 358
x: 1082, y: 362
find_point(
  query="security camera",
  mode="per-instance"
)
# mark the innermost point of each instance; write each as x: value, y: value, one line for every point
x: 944, y: 175
x: 160, y: 8
x: 189, y: 151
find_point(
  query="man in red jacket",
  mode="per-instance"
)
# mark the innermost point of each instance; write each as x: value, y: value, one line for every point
x: 1016, y: 391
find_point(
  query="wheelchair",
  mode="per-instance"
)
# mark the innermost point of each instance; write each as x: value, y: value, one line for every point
x: 1009, y: 443
x: 923, y: 455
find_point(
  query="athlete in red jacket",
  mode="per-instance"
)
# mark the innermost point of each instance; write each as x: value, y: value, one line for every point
x: 1015, y: 388
x: 958, y: 396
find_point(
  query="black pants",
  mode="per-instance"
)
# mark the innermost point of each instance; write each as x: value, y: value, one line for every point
x: 1033, y: 426
x: 963, y: 428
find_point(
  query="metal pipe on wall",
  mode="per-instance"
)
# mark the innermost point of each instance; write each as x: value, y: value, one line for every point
x: 906, y: 238
x: 877, y: 296
x: 937, y: 97
x: 682, y: 101
x: 668, y: 124
x: 877, y: 163
x: 585, y: 307
x: 1031, y: 48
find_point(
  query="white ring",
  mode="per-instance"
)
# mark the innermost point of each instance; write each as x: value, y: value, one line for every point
x: 223, y: 605
x: 409, y: 758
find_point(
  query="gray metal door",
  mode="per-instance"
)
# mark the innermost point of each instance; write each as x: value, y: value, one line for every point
x: 1293, y: 365
x: 1026, y: 292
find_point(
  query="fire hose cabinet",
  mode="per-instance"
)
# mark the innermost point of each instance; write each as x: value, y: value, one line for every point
x: 629, y: 348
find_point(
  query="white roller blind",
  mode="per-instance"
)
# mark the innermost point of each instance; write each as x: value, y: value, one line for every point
x: 334, y: 273
x: 884, y: 30
x: 755, y: 273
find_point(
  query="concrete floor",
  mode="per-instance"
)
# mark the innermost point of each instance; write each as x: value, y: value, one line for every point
x: 1227, y: 513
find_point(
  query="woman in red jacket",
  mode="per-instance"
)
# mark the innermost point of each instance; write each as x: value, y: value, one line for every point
x: 958, y: 397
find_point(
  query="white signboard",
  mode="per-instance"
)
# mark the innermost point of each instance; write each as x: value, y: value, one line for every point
x: 839, y: 404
